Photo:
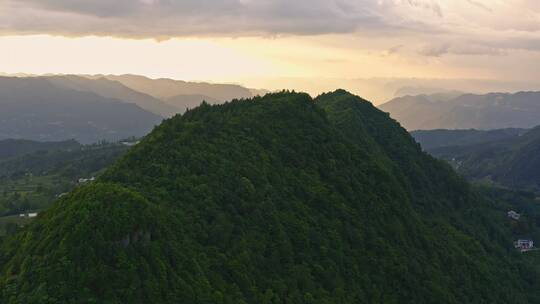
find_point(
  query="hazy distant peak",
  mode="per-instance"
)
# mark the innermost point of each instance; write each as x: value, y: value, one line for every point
x: 479, y: 111
x: 52, y: 108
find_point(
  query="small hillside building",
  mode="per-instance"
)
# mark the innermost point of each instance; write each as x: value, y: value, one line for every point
x: 513, y: 215
x: 86, y: 180
x: 524, y: 244
x: 130, y: 143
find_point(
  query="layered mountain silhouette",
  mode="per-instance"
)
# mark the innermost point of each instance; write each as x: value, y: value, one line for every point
x: 466, y: 111
x: 89, y: 109
x: 274, y: 199
x: 37, y: 109
x: 164, y: 88
x: 116, y: 90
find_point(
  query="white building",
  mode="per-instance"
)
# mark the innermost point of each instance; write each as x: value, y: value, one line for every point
x: 524, y: 244
x: 129, y: 143
x: 85, y: 180
x: 513, y: 215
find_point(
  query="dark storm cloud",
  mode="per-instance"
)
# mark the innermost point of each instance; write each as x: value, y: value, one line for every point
x: 481, y: 26
x: 168, y: 18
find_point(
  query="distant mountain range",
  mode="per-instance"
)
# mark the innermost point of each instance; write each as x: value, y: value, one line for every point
x: 165, y: 88
x: 164, y: 97
x: 180, y: 95
x: 453, y: 110
x: 114, y: 89
x: 99, y: 107
x: 37, y: 109
x: 509, y: 157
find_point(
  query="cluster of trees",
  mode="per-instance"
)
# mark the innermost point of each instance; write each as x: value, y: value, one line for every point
x: 275, y: 199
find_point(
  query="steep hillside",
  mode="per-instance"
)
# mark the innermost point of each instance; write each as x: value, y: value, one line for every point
x: 468, y: 111
x: 277, y: 199
x: 36, y: 109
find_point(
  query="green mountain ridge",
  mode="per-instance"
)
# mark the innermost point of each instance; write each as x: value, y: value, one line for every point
x: 164, y: 88
x: 274, y: 199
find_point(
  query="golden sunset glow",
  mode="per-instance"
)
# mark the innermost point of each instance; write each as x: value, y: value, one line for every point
x: 311, y: 50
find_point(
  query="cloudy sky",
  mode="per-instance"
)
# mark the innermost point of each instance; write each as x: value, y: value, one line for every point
x: 270, y: 43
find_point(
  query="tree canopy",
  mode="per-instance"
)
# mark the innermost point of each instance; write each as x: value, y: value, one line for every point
x: 274, y: 199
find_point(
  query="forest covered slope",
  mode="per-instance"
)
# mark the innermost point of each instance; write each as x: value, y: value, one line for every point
x: 275, y: 199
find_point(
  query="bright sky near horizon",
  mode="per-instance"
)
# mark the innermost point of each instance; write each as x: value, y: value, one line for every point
x: 255, y: 42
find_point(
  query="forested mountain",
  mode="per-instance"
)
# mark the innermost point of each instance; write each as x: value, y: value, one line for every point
x: 414, y: 111
x: 512, y: 162
x: 467, y: 111
x: 276, y: 199
x: 37, y: 109
x: 430, y: 139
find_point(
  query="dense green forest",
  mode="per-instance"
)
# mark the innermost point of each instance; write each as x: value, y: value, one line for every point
x: 275, y: 199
